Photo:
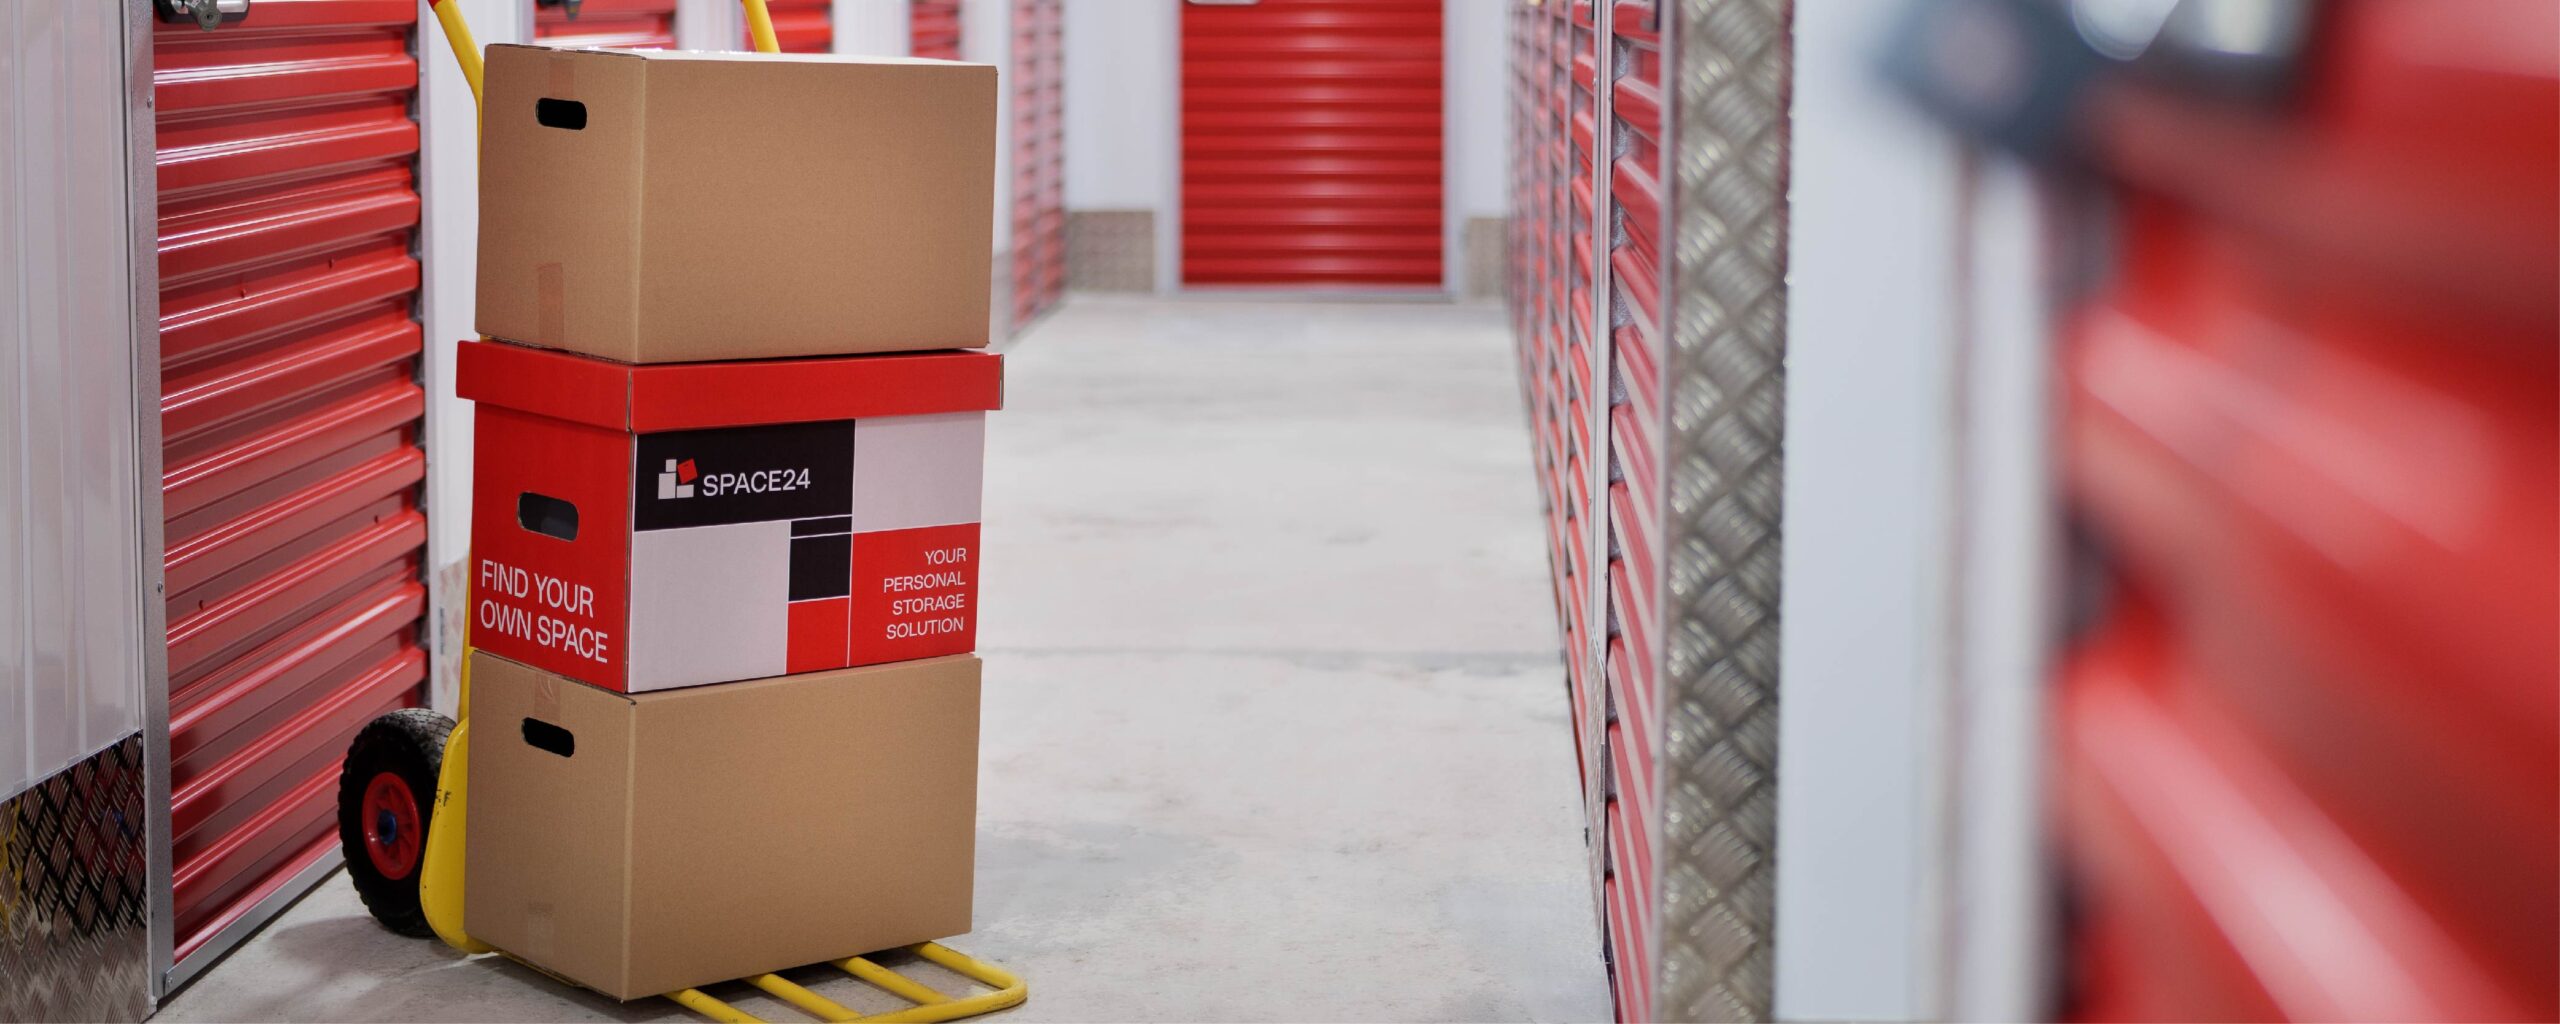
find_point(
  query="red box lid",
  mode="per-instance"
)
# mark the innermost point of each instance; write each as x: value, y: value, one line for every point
x: 646, y: 399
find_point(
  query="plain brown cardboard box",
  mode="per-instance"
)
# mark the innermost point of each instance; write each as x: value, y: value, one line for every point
x: 697, y: 835
x: 734, y: 206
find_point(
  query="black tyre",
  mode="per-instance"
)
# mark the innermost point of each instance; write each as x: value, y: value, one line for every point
x: 386, y: 802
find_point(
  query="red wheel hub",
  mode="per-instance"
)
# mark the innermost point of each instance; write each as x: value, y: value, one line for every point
x: 393, y: 831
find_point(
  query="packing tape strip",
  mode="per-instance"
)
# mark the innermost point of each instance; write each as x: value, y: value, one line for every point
x: 541, y: 932
x: 550, y: 322
x: 548, y: 284
x: 564, y: 77
x: 546, y: 698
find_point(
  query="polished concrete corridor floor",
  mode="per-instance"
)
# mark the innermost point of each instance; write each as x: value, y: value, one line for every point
x: 1274, y: 727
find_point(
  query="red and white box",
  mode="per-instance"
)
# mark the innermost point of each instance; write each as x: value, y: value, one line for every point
x: 647, y: 527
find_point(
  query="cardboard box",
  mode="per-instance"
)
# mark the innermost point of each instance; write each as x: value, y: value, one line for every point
x: 642, y: 844
x: 643, y: 528
x: 656, y: 206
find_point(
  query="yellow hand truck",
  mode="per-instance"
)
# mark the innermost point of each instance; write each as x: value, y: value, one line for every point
x: 405, y: 854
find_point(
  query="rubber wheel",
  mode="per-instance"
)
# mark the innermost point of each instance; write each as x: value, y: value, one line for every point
x: 386, y: 803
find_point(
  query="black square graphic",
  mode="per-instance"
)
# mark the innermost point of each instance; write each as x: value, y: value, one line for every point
x: 821, y: 567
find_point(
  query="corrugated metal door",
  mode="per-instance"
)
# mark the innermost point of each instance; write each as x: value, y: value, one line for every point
x: 933, y: 29
x: 1039, y: 161
x: 1555, y: 106
x: 291, y: 411
x: 2306, y: 753
x: 1311, y: 143
x: 1602, y: 353
x: 1633, y: 662
x: 634, y: 24
x: 800, y: 26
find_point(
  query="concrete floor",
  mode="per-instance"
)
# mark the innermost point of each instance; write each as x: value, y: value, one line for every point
x: 1275, y: 728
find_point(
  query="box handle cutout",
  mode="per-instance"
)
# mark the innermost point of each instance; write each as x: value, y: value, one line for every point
x: 546, y: 515
x: 569, y: 114
x: 541, y: 735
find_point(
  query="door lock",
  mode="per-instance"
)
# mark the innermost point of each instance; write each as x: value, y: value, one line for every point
x: 207, y: 14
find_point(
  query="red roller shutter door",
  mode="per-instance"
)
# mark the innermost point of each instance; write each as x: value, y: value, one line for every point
x: 1039, y: 161
x: 933, y: 29
x: 634, y: 24
x: 1635, y: 497
x: 1311, y: 143
x: 2305, y: 759
x: 291, y: 410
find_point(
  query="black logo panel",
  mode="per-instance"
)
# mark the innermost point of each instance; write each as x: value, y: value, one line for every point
x: 743, y: 475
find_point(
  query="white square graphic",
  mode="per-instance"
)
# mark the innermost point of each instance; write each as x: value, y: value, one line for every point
x: 911, y: 471
x: 709, y: 604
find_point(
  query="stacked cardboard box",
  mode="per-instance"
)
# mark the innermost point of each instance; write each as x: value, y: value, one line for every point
x: 729, y: 434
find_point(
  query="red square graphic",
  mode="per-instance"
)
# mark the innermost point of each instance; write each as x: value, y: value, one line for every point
x: 818, y: 635
x: 915, y: 593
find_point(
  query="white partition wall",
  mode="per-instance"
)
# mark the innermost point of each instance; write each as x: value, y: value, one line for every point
x: 83, y: 862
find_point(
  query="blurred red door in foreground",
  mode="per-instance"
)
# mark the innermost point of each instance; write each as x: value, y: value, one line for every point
x: 2308, y: 759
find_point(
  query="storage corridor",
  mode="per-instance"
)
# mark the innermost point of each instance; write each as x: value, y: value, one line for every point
x: 1275, y: 728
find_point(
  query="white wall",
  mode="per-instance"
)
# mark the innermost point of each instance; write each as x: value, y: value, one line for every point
x: 874, y: 28
x: 448, y: 249
x: 1861, y: 666
x: 1124, y: 113
x: 76, y: 609
x: 1123, y: 100
x: 1479, y: 76
x: 986, y: 36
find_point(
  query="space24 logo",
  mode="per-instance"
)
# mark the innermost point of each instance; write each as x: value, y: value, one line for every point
x: 681, y: 479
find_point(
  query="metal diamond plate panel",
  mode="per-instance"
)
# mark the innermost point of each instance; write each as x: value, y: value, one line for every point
x: 75, y: 894
x: 1725, y: 391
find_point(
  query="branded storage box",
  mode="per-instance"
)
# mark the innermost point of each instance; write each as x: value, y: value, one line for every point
x: 647, y: 527
x: 659, y: 206
x: 642, y: 844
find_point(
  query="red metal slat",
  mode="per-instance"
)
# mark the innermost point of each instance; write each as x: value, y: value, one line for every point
x: 197, y: 558
x: 1624, y: 902
x: 209, y: 319
x: 225, y: 711
x: 278, y: 875
x: 1039, y: 236
x: 1633, y: 443
x: 228, y: 391
x: 196, y: 479
x: 207, y: 805
x: 933, y: 29
x: 630, y: 24
x: 263, y: 609
x: 2417, y: 164
x: 1633, y: 578
x: 2229, y: 894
